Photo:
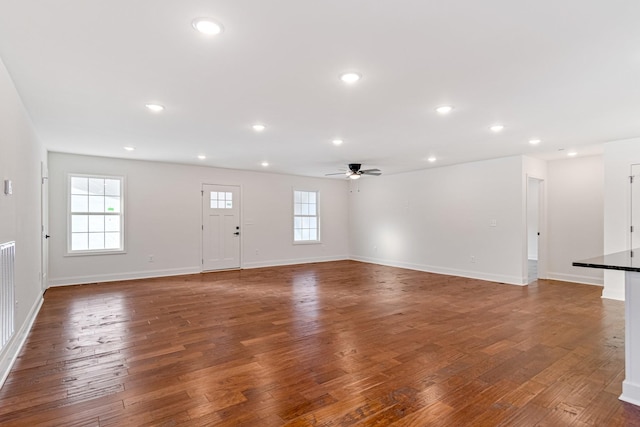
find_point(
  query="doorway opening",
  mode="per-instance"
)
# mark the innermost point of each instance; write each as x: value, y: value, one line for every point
x: 534, y: 227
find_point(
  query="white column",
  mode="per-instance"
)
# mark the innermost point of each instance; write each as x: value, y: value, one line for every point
x: 631, y: 384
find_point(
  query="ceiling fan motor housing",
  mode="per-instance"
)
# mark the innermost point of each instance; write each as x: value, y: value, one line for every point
x: 354, y: 167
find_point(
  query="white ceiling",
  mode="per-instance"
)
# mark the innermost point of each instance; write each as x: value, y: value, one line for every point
x: 566, y: 72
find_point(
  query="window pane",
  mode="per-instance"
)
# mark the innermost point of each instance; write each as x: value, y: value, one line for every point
x: 220, y: 204
x: 297, y: 234
x: 228, y: 196
x: 296, y: 209
x: 305, y: 209
x: 313, y: 235
x: 229, y: 204
x: 312, y: 209
x: 96, y: 186
x: 297, y: 222
x: 214, y: 195
x: 297, y: 197
x: 96, y: 223
x: 112, y: 204
x: 305, y: 197
x: 96, y: 240
x: 313, y: 222
x: 96, y: 203
x: 305, y: 222
x: 305, y: 234
x: 112, y: 240
x: 79, y: 223
x: 112, y: 223
x: 312, y: 197
x: 112, y: 187
x: 79, y: 241
x: 79, y: 203
x: 79, y: 185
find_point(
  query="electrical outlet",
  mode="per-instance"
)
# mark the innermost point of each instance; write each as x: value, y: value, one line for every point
x: 150, y: 258
x: 473, y: 259
x: 257, y: 251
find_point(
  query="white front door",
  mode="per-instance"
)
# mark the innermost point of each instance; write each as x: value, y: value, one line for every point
x: 220, y: 227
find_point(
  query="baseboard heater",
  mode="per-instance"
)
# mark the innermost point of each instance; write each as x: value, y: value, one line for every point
x: 7, y: 292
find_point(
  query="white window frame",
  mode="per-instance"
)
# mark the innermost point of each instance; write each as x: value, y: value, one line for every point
x: 121, y: 214
x: 317, y: 216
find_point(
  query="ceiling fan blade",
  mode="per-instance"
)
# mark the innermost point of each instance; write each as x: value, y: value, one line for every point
x: 338, y: 173
x: 370, y: 170
x: 371, y: 173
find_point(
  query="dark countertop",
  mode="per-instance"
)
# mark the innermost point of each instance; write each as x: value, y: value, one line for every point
x: 617, y: 261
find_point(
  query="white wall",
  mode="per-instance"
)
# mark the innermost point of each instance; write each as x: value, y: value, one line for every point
x: 438, y: 219
x: 163, y: 219
x: 618, y: 158
x: 20, y: 158
x: 575, y: 217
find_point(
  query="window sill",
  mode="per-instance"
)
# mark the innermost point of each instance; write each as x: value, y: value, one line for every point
x: 307, y: 242
x: 92, y: 253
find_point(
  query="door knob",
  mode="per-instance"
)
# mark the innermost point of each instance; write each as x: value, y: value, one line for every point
x: 46, y: 236
x: 237, y: 233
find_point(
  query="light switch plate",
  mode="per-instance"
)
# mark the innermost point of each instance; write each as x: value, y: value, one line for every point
x: 8, y: 187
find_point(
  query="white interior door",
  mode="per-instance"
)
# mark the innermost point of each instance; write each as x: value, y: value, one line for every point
x: 44, y: 227
x: 220, y: 227
x: 635, y: 207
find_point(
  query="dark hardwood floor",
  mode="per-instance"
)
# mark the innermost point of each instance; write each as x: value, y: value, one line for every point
x: 331, y: 344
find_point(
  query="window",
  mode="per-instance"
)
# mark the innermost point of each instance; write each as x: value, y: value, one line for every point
x: 306, y: 221
x: 96, y: 218
x: 221, y: 200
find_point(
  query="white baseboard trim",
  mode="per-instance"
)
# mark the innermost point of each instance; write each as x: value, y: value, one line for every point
x: 10, y: 354
x: 614, y: 295
x: 574, y: 278
x: 630, y: 393
x: 98, y: 278
x: 280, y: 262
x: 510, y: 280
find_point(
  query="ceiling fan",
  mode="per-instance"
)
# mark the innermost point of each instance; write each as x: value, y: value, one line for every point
x: 354, y: 171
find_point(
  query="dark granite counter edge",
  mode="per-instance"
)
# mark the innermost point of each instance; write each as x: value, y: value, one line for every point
x: 605, y: 267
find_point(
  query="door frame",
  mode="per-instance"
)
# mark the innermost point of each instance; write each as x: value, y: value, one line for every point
x: 44, y: 226
x: 542, y: 229
x: 240, y: 215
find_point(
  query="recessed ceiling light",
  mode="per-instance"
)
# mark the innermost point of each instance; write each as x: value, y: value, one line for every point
x: 431, y: 159
x: 207, y: 26
x: 444, y: 109
x: 202, y: 156
x: 265, y: 164
x: 497, y: 128
x: 350, y: 78
x: 337, y: 142
x: 534, y: 141
x: 572, y: 154
x: 129, y: 148
x: 258, y: 127
x: 156, y: 108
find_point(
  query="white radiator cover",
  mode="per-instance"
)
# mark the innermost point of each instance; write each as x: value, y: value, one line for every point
x: 7, y: 292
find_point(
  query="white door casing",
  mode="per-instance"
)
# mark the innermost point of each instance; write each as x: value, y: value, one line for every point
x: 44, y: 227
x: 220, y: 227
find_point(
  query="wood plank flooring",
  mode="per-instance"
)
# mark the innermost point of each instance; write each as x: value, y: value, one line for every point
x: 330, y: 344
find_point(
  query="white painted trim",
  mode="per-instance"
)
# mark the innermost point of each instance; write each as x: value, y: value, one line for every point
x: 630, y: 393
x: 510, y: 280
x: 82, y: 280
x: 607, y: 293
x: 276, y: 263
x: 575, y: 278
x: 11, y: 352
